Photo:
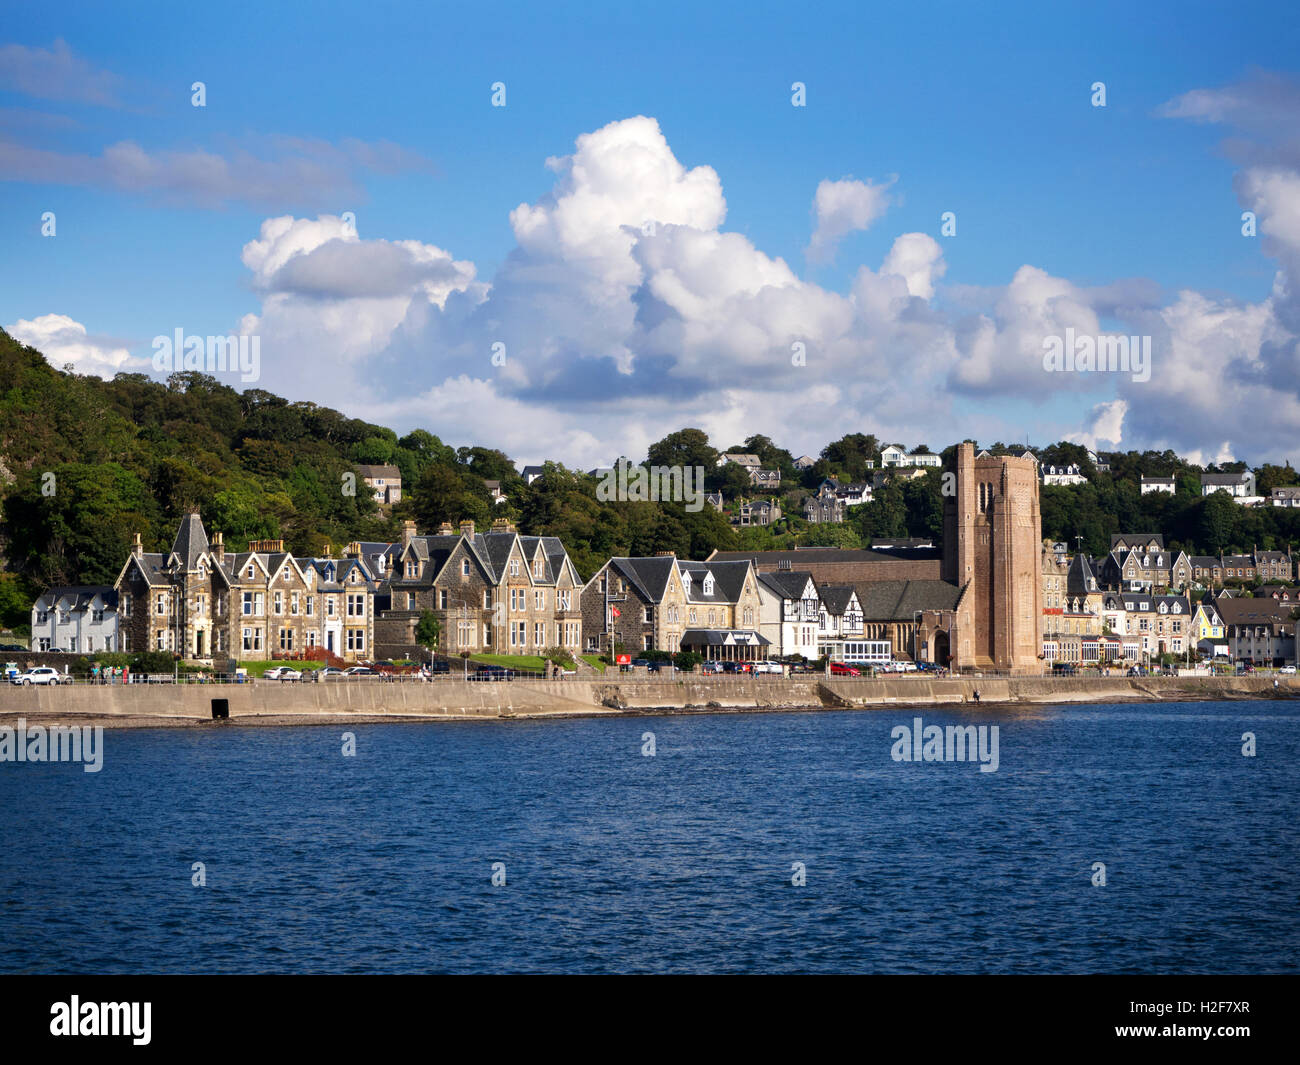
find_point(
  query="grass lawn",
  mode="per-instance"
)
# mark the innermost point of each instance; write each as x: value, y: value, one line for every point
x: 594, y: 661
x: 536, y: 663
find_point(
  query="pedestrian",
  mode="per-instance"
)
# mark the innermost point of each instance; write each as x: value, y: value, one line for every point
x: 977, y: 695
x: 94, y: 673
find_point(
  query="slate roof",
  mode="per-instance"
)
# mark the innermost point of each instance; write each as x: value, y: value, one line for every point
x: 191, y: 541
x: 804, y: 555
x: 719, y: 637
x: 76, y: 597
x: 648, y: 575
x: 789, y: 584
x: 899, y: 600
x: 836, y: 597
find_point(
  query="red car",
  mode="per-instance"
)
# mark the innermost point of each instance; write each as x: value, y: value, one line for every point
x: 839, y: 669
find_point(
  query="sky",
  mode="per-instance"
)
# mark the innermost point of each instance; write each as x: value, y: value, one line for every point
x: 566, y: 232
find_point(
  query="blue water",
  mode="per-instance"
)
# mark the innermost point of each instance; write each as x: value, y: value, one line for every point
x: 615, y: 861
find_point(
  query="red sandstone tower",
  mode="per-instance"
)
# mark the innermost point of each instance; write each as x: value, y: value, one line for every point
x: 992, y: 544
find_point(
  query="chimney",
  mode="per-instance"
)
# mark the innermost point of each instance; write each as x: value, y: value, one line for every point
x: 408, y: 532
x: 445, y: 529
x: 327, y: 550
x: 353, y: 550
x: 666, y: 554
x: 219, y: 547
x: 467, y: 529
x: 137, y: 546
x: 503, y: 525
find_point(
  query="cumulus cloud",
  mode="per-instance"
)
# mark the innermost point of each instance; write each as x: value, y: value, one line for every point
x: 625, y: 310
x: 64, y: 341
x: 841, y: 208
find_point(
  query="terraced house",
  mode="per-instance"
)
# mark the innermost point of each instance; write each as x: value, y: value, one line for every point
x: 664, y: 603
x: 208, y: 605
x: 495, y: 592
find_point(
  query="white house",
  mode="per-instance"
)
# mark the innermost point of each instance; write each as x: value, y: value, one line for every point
x: 1237, y: 485
x: 79, y: 619
x: 1158, y: 484
x: 788, y: 613
x: 894, y: 456
x: 1063, y: 475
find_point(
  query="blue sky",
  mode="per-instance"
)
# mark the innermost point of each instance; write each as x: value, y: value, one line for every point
x: 954, y: 107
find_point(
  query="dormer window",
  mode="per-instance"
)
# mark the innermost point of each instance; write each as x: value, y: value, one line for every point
x: 250, y: 571
x: 464, y: 567
x: 708, y: 584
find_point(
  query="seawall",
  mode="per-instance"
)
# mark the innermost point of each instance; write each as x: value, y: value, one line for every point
x: 272, y: 703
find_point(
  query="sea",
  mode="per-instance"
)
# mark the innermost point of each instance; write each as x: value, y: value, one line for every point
x: 1128, y: 838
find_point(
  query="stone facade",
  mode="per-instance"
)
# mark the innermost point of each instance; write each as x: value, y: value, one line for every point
x: 993, y: 551
x: 208, y: 605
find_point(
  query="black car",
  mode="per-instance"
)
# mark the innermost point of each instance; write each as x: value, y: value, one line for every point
x: 439, y: 665
x: 489, y: 672
x: 12, y: 647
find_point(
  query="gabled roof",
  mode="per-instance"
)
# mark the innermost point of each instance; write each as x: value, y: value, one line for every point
x: 788, y: 584
x: 837, y: 598
x: 728, y: 578
x: 899, y: 600
x: 76, y: 597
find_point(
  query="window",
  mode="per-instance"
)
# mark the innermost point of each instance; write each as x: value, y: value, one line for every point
x: 43, y: 644
x: 564, y: 599
x: 294, y: 603
x: 410, y: 600
x: 356, y: 639
x: 464, y: 634
x: 98, y: 616
x: 126, y: 605
x: 286, y: 639
x: 539, y: 634
x: 160, y: 604
x: 487, y: 598
x: 539, y: 567
x: 252, y: 638
x: 279, y: 603
x: 514, y: 567
x: 442, y: 598
x: 329, y: 606
x: 356, y: 606
x: 42, y: 617
x: 539, y: 599
x: 464, y: 567
x: 311, y: 606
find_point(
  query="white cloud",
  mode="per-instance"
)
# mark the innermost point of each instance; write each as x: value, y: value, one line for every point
x: 64, y: 341
x: 841, y: 208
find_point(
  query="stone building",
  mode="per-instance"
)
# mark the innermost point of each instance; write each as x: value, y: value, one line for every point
x: 993, y: 552
x: 669, y: 604
x: 208, y: 605
x: 495, y: 592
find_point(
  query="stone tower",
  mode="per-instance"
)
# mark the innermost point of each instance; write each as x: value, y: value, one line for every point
x: 992, y: 551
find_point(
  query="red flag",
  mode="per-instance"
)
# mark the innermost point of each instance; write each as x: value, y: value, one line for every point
x: 615, y: 611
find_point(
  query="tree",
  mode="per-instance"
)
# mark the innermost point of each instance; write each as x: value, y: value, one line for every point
x: 686, y: 447
x: 428, y: 630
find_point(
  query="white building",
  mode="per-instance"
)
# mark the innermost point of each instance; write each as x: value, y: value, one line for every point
x: 1063, y: 475
x: 789, y: 609
x: 1158, y: 484
x: 77, y: 619
x: 894, y: 456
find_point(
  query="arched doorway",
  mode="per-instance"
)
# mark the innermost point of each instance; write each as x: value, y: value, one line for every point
x: 940, y: 643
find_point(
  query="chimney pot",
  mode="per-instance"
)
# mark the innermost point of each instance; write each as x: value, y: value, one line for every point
x: 467, y: 528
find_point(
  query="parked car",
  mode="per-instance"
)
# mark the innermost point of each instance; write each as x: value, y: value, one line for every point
x: 1287, y: 669
x: 282, y: 673
x: 326, y: 672
x: 491, y: 672
x: 359, y: 671
x: 711, y: 667
x: 769, y: 667
x: 843, y: 669
x: 12, y: 647
x: 439, y: 665
x: 40, y: 675
x: 1063, y: 669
